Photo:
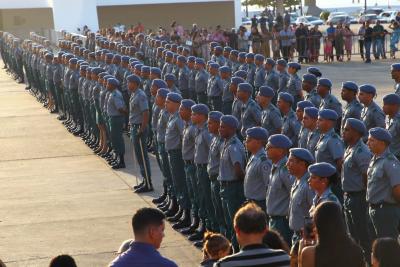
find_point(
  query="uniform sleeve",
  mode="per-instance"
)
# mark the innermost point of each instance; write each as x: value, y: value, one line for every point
x: 118, y: 102
x: 143, y: 104
x: 392, y: 169
x: 257, y: 114
x: 236, y: 155
x: 265, y: 170
x: 379, y: 117
x: 207, y: 138
x: 363, y: 159
x: 180, y: 126
x: 276, y: 120
x: 287, y: 180
x: 296, y: 127
x: 309, y: 194
x: 336, y: 148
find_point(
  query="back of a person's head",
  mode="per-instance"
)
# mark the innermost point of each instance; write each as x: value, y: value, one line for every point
x: 329, y: 223
x: 386, y: 251
x: 274, y: 240
x: 250, y: 219
x: 63, y: 261
x: 145, y: 217
x: 215, y: 243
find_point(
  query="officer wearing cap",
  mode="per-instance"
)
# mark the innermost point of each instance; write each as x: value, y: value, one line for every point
x: 383, y: 187
x: 301, y: 195
x: 309, y: 85
x: 304, y: 132
x: 395, y: 72
x: 192, y: 77
x: 372, y: 115
x: 271, y: 77
x: 310, y: 119
x: 291, y: 126
x: 170, y: 80
x: 251, y: 68
x: 329, y: 101
x: 242, y: 61
x: 231, y: 172
x: 259, y: 76
x: 322, y: 176
x: 354, y: 179
x: 218, y: 57
x: 279, y: 186
x: 73, y: 94
x: 251, y: 112
x: 283, y: 75
x: 237, y: 104
x: 271, y: 118
x: 294, y: 84
x: 314, y: 71
x: 201, y: 81
x: 258, y: 167
x: 233, y: 62
x: 215, y: 88
x: 168, y: 65
x: 391, y: 105
x: 183, y: 77
x: 227, y: 96
x: 353, y: 107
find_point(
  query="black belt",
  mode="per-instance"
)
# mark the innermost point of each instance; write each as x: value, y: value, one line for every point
x: 381, y: 205
x: 354, y: 193
x: 230, y: 182
x: 188, y: 162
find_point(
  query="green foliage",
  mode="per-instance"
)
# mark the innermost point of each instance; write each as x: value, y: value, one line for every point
x: 324, y: 15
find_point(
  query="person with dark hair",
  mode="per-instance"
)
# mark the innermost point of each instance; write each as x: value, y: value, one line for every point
x: 148, y: 228
x: 333, y: 247
x: 61, y: 261
x: 385, y: 253
x: 250, y: 225
x: 274, y: 240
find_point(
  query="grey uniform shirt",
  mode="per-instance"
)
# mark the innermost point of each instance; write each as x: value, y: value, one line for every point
x: 215, y: 86
x: 219, y: 59
x: 237, y: 109
x: 167, y: 68
x: 138, y: 104
x: 301, y: 199
x: 183, y: 79
x: 250, y: 116
x: 393, y: 126
x: 303, y: 137
x: 232, y: 152
x: 272, y: 80
x: 291, y: 127
x: 294, y: 85
x: 155, y: 112
x: 201, y: 81
x: 383, y: 175
x: 312, y: 140
x: 115, y: 102
x: 202, y: 144
x: 256, y: 179
x: 397, y: 89
x: 279, y: 186
x: 355, y: 163
x: 162, y: 122
x: 313, y: 97
x: 373, y: 116
x: 351, y: 110
x: 259, y: 78
x: 329, y: 148
x: 174, y: 132
x: 331, y: 102
x: 188, y: 141
x: 227, y: 95
x: 271, y: 119
x: 251, y: 73
x: 214, y: 155
x: 283, y: 81
x: 192, y: 80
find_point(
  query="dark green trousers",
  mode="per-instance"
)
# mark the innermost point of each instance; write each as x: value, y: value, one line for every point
x: 385, y: 220
x: 281, y: 225
x: 178, y: 177
x: 206, y: 208
x: 117, y: 141
x: 216, y: 200
x: 191, y: 182
x: 165, y: 170
x: 142, y: 156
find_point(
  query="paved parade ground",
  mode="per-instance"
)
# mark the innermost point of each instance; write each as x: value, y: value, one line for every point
x: 58, y: 197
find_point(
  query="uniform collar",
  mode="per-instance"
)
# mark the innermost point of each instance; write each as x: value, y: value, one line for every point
x: 330, y: 132
x: 280, y: 162
x: 383, y: 155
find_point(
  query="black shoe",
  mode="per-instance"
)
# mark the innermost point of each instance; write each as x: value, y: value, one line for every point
x: 120, y: 165
x: 184, y: 221
x: 160, y: 199
x: 199, y: 234
x: 198, y: 244
x: 172, y: 208
x: 175, y: 217
x: 165, y: 205
x: 139, y: 185
x: 144, y: 189
x: 192, y: 228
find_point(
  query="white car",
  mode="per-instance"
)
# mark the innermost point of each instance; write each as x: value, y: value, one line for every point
x: 309, y: 21
x: 335, y: 14
x: 387, y: 16
x: 246, y: 22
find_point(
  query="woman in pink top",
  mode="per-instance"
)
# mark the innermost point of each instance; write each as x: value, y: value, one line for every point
x: 348, y: 41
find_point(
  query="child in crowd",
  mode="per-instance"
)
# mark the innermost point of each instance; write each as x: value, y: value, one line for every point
x: 328, y: 50
x: 216, y: 246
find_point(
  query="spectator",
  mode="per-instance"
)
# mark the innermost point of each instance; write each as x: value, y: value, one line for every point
x: 263, y: 22
x: 274, y: 240
x: 339, y: 42
x: 279, y: 21
x: 314, y: 43
x: 286, y: 41
x: 394, y: 38
x: 385, y: 253
x: 368, y: 42
x: 148, y: 227
x: 301, y: 40
x: 334, y: 247
x: 62, y: 261
x: 379, y: 37
x: 138, y: 28
x: 250, y: 225
x: 243, y: 40
x: 254, y: 22
x: 216, y: 246
x: 275, y: 43
x: 256, y: 39
x: 348, y: 41
x: 361, y: 34
x: 265, y: 48
x: 286, y: 19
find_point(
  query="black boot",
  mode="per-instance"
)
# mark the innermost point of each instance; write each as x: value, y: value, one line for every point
x: 121, y: 163
x: 161, y: 198
x: 172, y: 208
x: 199, y: 234
x: 175, y: 217
x: 184, y: 221
x: 165, y: 205
x: 192, y: 228
x: 139, y: 185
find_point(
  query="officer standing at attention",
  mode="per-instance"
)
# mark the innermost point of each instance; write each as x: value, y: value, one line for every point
x: 284, y: 77
x: 192, y: 77
x: 116, y: 110
x: 309, y: 85
x: 258, y: 167
x: 259, y: 78
x: 215, y: 88
x: 291, y: 126
x: 301, y: 195
x: 354, y: 182
x: 271, y: 118
x: 329, y: 101
x: 170, y: 80
x: 217, y: 57
x: 395, y: 72
x: 391, y: 105
x: 138, y: 120
x: 271, y: 77
x: 168, y: 66
x: 310, y: 119
x: 183, y: 77
x: 314, y: 71
x: 251, y: 112
x: 251, y: 68
x: 353, y: 107
x: 227, y: 96
x: 372, y: 115
x: 237, y: 103
x: 279, y: 186
x: 304, y: 132
x: 383, y: 188
x: 201, y: 81
x: 294, y: 84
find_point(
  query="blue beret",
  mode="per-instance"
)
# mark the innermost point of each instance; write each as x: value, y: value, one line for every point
x: 163, y: 92
x: 214, y: 65
x: 109, y: 55
x: 266, y: 91
x: 49, y: 55
x: 258, y: 133
x: 250, y: 55
x: 92, y: 54
x: 169, y: 54
x: 182, y: 59
x: 241, y: 73
x: 242, y: 55
x: 234, y: 52
x: 304, y: 104
x: 227, y: 49
x: 108, y: 76
x: 145, y: 69
x: 200, y: 109
x: 395, y: 66
x: 138, y: 67
x: 174, y: 46
x: 224, y: 69
x: 134, y: 63
x: 325, y: 82
x: 270, y: 61
x: 187, y: 103
x: 117, y: 57
x: 391, y: 99
x: 113, y: 81
x: 302, y: 154
x: 311, y: 112
x: 97, y: 70
x: 286, y: 97
x: 210, y: 62
x: 133, y: 79
x: 83, y: 67
x: 73, y: 60
x: 294, y: 65
x: 281, y: 62
x: 381, y: 134
x: 357, y: 125
x: 125, y: 59
x: 322, y: 169
x: 245, y: 87
x: 280, y: 141
x: 315, y: 71
x: 155, y: 70
x: 311, y: 78
x: 200, y: 61
x: 259, y: 57
x: 215, y: 115
x: 103, y: 74
x: 191, y: 59
x: 368, y: 88
x: 237, y: 80
x: 169, y: 77
x: 159, y: 83
x: 174, y: 97
x: 230, y: 120
x: 328, y: 114
x: 218, y: 48
x: 213, y: 44
x: 160, y: 49
x: 352, y: 86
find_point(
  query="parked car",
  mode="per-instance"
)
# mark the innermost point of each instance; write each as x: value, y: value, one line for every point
x: 336, y: 13
x: 375, y: 10
x: 344, y: 19
x: 246, y: 22
x: 387, y: 16
x: 353, y: 20
x: 309, y: 21
x: 372, y: 18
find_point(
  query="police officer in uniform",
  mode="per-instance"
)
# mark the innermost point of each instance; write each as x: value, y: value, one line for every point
x: 329, y: 101
x: 294, y: 84
x: 309, y: 85
x: 310, y: 119
x: 215, y: 88
x: 304, y: 132
x: 284, y: 77
x: 395, y: 72
x: 251, y: 112
x: 271, y: 118
x: 291, y: 126
x: 391, y: 105
x: 372, y: 115
x: 271, y: 77
x: 259, y: 76
x: 353, y: 107
x: 201, y: 81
